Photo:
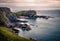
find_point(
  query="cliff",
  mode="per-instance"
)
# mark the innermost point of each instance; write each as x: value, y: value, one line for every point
x: 5, y: 33
x: 3, y: 19
x: 29, y: 13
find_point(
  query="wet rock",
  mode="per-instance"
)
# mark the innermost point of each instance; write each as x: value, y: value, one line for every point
x: 15, y: 31
x: 24, y: 27
x: 33, y: 39
x: 44, y: 17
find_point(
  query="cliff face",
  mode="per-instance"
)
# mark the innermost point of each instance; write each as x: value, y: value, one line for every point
x: 4, y: 9
x: 3, y: 18
x: 29, y: 13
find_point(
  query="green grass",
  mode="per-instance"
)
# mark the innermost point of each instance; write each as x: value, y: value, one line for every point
x: 7, y: 35
x: 20, y: 13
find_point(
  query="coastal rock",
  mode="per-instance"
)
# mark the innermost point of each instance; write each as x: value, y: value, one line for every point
x: 3, y: 19
x: 44, y: 17
x: 5, y: 10
x: 29, y: 13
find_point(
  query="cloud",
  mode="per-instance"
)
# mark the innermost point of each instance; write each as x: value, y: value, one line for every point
x: 31, y: 2
x: 40, y: 4
x: 16, y: 1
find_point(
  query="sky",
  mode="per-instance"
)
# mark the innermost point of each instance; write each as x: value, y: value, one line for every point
x: 31, y: 4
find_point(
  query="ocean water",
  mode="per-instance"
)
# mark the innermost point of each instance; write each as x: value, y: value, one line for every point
x: 44, y: 29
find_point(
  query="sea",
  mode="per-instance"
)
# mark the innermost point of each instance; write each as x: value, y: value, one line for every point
x: 44, y: 29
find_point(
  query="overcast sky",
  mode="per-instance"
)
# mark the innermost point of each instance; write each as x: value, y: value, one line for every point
x: 31, y: 4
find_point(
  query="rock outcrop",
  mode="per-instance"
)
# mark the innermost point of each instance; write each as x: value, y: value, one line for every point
x: 29, y: 13
x: 5, y: 9
x: 3, y: 19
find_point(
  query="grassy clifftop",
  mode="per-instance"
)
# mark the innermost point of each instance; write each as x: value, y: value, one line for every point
x: 29, y: 13
x: 7, y: 35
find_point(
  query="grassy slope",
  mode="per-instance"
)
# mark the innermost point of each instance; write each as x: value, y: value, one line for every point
x: 20, y: 13
x: 7, y: 35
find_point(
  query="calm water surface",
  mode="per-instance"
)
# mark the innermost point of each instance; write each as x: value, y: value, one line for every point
x: 42, y: 29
